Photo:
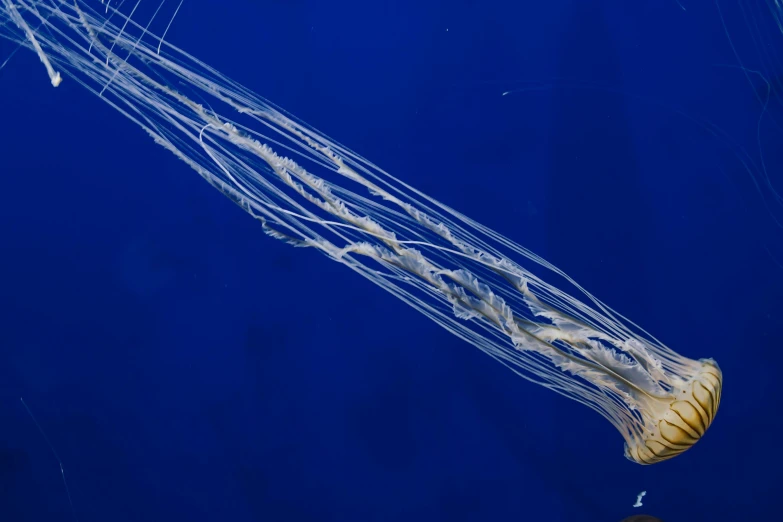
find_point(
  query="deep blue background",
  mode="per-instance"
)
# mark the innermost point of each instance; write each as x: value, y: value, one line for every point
x: 187, y: 367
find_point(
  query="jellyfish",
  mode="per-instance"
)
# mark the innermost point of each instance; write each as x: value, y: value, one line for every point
x: 310, y: 191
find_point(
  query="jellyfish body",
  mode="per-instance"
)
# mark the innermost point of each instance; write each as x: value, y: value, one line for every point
x: 310, y: 191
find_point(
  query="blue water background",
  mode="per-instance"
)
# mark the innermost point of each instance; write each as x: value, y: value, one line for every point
x: 187, y: 367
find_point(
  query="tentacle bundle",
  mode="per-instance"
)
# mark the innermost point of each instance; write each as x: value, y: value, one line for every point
x: 310, y: 191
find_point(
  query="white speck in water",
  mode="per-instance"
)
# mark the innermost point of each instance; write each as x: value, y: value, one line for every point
x: 639, y: 499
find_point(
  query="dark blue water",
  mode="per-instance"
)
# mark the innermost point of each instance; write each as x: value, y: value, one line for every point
x: 185, y: 366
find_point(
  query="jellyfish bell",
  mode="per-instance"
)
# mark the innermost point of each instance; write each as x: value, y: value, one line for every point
x: 310, y: 191
x: 681, y: 418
